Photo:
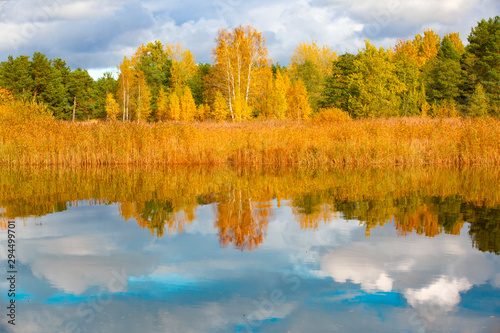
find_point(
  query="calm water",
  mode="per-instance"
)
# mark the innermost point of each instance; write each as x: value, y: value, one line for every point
x: 224, y: 250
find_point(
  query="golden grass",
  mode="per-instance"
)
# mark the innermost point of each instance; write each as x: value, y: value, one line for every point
x: 395, y: 141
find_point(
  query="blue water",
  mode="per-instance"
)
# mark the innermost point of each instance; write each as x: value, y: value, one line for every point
x: 86, y: 269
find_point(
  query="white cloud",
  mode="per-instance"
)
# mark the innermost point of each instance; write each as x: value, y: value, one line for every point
x: 429, y: 277
x: 444, y: 293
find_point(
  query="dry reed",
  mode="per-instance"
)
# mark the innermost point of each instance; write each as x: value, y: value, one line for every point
x: 384, y: 142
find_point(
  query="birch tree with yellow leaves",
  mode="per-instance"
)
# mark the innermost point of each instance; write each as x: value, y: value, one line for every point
x: 237, y: 56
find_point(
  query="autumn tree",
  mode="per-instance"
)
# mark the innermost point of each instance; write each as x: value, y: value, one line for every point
x: 174, y: 108
x: 237, y: 55
x: 456, y: 41
x: 112, y: 108
x: 183, y: 64
x: 407, y: 70
x: 376, y: 83
x: 428, y: 45
x: 478, y: 103
x: 312, y: 64
x: 126, y: 82
x: 278, y: 95
x: 298, y: 106
x: 143, y: 109
x: 188, y: 107
x: 162, y: 105
x: 219, y: 108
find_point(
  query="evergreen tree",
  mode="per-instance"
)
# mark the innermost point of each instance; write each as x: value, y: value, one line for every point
x: 198, y: 84
x: 478, y: 103
x: 337, y: 92
x: 443, y: 74
x: 100, y: 89
x: 79, y: 86
x: 14, y: 75
x: 481, y: 61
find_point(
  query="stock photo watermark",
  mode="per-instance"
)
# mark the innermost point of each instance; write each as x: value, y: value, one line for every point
x: 380, y: 19
x: 267, y: 308
x: 11, y: 272
x: 87, y: 311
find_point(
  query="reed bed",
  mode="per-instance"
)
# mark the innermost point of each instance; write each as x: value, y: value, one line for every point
x: 412, y: 141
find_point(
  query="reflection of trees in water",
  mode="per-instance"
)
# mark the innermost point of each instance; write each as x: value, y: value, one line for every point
x: 425, y: 201
x: 310, y: 210
x: 485, y: 228
x: 158, y: 216
x: 241, y: 221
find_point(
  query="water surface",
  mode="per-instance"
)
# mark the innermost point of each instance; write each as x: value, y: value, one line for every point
x: 231, y: 250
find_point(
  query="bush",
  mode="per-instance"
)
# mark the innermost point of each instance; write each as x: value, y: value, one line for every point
x: 332, y: 115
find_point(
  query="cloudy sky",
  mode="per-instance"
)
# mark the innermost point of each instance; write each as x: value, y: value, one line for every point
x: 95, y: 35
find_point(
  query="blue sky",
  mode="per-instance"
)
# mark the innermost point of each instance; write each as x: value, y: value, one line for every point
x: 95, y: 35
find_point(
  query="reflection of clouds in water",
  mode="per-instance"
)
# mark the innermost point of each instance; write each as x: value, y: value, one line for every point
x: 424, y: 273
x: 444, y: 292
x: 416, y: 267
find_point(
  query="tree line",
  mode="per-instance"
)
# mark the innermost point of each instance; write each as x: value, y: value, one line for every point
x: 427, y: 76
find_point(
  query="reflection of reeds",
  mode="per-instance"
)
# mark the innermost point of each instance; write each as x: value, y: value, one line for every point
x: 397, y: 141
x: 426, y: 200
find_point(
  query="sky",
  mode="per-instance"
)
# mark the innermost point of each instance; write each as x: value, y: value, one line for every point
x: 96, y: 35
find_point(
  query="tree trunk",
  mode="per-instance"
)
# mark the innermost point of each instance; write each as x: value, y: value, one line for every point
x: 74, y: 107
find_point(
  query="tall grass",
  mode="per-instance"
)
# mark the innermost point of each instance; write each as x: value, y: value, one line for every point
x: 30, y: 136
x: 395, y: 141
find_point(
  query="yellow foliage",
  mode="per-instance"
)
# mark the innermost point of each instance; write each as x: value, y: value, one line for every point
x: 322, y: 57
x: 455, y: 39
x: 202, y: 111
x: 219, y: 108
x: 279, y: 94
x: 162, y: 106
x: 174, y: 107
x: 298, y: 101
x: 188, y: 107
x: 332, y: 114
x: 112, y: 108
x: 13, y: 110
x: 238, y: 55
x: 241, y: 110
x: 428, y: 45
x: 143, y: 109
x: 183, y: 63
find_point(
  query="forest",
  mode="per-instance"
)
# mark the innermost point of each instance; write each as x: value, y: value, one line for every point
x: 428, y: 76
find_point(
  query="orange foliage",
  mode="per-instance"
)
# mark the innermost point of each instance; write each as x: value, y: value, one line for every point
x: 241, y: 221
